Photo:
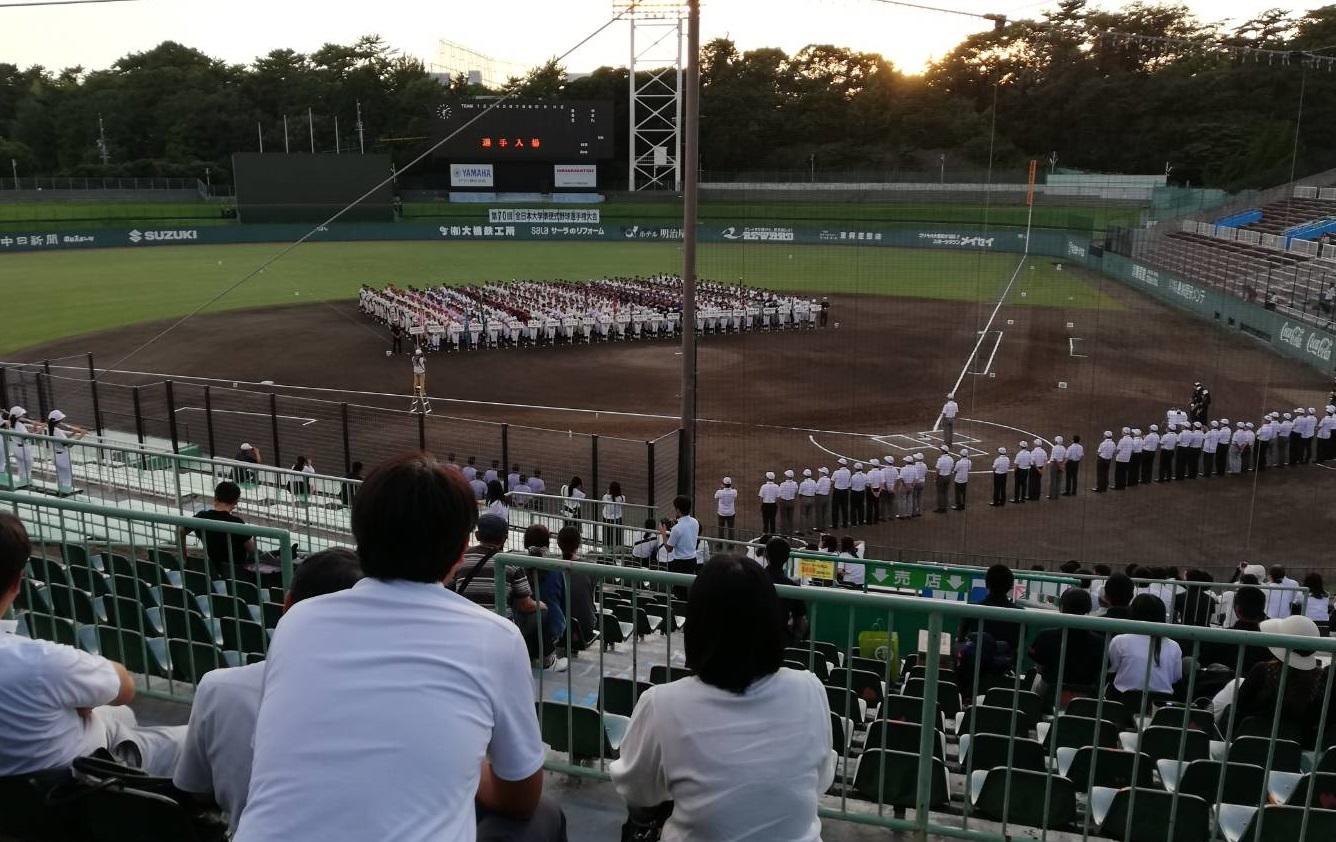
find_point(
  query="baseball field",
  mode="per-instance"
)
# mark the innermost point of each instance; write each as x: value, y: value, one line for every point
x: 1033, y: 348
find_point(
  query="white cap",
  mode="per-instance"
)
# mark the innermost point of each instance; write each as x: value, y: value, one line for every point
x: 1238, y: 424
x: 1224, y: 421
x: 1023, y: 444
x: 945, y: 449
x: 807, y: 472
x: 964, y: 454
x: 1136, y: 431
x: 1215, y: 424
x: 843, y: 461
x: 1196, y: 425
x: 1250, y: 425
x: 874, y: 460
x: 1331, y: 408
x: 1108, y: 434
x: 1127, y: 430
x: 1057, y: 439
x: 788, y: 474
x: 950, y: 396
x: 909, y: 460
x: 858, y: 466
x: 1154, y: 428
x: 769, y: 474
x: 1002, y: 450
x: 246, y: 446
x: 418, y: 352
x: 1286, y: 416
x: 56, y: 416
x: 18, y: 412
x: 1310, y: 410
x: 918, y: 457
x: 824, y: 471
x: 728, y: 480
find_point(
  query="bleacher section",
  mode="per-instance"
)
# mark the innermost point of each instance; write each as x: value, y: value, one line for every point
x: 1274, y: 260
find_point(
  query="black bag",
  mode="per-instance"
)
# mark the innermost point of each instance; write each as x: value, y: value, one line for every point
x: 645, y: 824
x: 100, y: 771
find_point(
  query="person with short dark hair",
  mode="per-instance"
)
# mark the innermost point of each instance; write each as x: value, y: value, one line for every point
x: 226, y: 552
x: 795, y: 610
x: 1084, y: 650
x: 681, y: 541
x: 742, y: 748
x: 1116, y: 596
x: 997, y: 642
x: 249, y: 454
x: 580, y: 588
x: 216, y: 758
x: 58, y: 703
x: 364, y: 688
x: 1249, y: 611
x: 1195, y: 605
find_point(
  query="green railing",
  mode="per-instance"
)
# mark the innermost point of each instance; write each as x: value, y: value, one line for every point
x: 906, y: 778
x: 139, y: 588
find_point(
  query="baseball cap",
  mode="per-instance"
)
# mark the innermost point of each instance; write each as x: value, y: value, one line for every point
x: 56, y: 416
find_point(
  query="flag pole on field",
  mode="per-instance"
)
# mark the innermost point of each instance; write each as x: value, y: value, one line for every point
x: 259, y: 130
x: 361, y: 135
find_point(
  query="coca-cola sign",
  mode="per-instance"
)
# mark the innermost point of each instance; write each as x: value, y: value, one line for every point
x: 1312, y: 342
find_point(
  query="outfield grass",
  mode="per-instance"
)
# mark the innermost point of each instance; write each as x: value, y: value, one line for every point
x: 49, y: 216
x: 53, y: 295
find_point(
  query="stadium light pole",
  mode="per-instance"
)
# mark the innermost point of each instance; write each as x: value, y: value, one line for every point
x: 690, y: 194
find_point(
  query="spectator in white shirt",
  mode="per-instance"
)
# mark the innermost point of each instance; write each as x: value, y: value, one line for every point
x: 945, y: 468
x: 1022, y: 488
x: 1129, y: 654
x: 611, y: 512
x: 399, y: 709
x: 681, y: 541
x: 1282, y: 594
x: 1318, y: 605
x: 1001, y: 467
x: 769, y: 496
x: 851, y: 573
x: 58, y: 703
x: 807, y: 492
x: 1057, y: 463
x: 1072, y: 468
x: 742, y: 748
x: 215, y: 761
x: 496, y: 503
x: 726, y: 507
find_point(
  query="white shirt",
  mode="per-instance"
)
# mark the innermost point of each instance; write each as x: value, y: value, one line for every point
x: 1038, y: 457
x: 823, y: 487
x: 852, y: 573
x: 858, y: 482
x: 1075, y: 452
x: 949, y: 409
x: 41, y: 685
x: 1023, y: 460
x: 726, y: 502
x: 1150, y: 443
x: 807, y: 488
x: 841, y: 479
x: 1127, y: 658
x: 612, y: 507
x: 788, y: 490
x: 1106, y: 449
x: 379, y: 705
x: 1059, y: 453
x: 1325, y: 426
x: 1001, y: 465
x: 945, y: 464
x: 1280, y: 596
x: 769, y: 492
x: 737, y: 767
x: 876, y: 478
x: 963, y: 469
x: 1318, y: 608
x: 683, y: 537
x: 216, y: 757
x: 890, y: 476
x: 1124, y: 449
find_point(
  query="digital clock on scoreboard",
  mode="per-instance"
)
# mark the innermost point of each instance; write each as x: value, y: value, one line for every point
x: 525, y: 130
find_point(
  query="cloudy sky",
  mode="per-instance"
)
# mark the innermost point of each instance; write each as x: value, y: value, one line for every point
x: 514, y: 32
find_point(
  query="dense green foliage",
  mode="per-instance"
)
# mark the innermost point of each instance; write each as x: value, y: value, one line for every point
x: 1059, y: 84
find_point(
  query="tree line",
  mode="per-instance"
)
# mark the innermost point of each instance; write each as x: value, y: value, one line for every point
x: 1217, y: 107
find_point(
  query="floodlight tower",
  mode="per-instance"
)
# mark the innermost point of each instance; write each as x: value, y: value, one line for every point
x: 655, y: 88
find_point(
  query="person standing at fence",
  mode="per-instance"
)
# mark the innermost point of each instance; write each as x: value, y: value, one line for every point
x: 1168, y: 450
x: 769, y: 494
x: 788, y: 502
x: 807, y: 501
x: 876, y: 480
x: 962, y: 478
x: 225, y: 552
x: 823, y: 488
x: 1122, y: 459
x: 1104, y: 457
x: 1072, y: 468
x: 299, y: 485
x: 25, y: 453
x: 613, y: 501
x: 681, y: 542
x: 513, y: 478
x: 945, y: 468
x: 1001, y: 468
x: 726, y: 507
x: 949, y: 411
x: 1057, y: 466
x: 57, y: 429
x: 857, y: 495
x: 572, y: 500
x: 840, y: 495
x: 1022, y: 466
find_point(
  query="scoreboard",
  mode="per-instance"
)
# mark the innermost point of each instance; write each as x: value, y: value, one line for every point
x: 524, y: 130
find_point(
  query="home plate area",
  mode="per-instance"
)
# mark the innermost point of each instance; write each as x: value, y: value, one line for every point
x: 909, y: 443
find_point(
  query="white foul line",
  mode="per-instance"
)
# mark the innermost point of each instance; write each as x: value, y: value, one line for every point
x: 992, y: 356
x: 306, y: 422
x: 986, y: 328
x: 1071, y: 347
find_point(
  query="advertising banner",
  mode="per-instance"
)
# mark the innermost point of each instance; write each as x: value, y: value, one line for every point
x: 470, y: 175
x: 574, y: 175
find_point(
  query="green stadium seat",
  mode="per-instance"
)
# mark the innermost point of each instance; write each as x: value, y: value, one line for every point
x: 1176, y: 716
x: 641, y: 622
x: 32, y: 597
x: 988, y: 751
x: 270, y: 614
x: 891, y: 778
x: 1293, y: 788
x: 46, y: 627
x: 613, y: 631
x: 131, y: 587
x: 74, y: 554
x: 865, y: 684
x: 1114, y: 711
x: 172, y: 596
x: 186, y: 625
x: 1160, y: 742
x: 1145, y: 818
x: 244, y: 636
x: 1286, y: 756
x: 1111, y: 767
x: 1243, y: 782
x: 1025, y: 701
x: 127, y: 648
x: 901, y: 736
x: 832, y: 653
x: 126, y: 613
x: 876, y: 667
x: 222, y: 607
x: 48, y: 570
x: 1077, y: 731
x: 987, y: 719
x: 152, y: 573
x: 192, y: 661
x: 166, y: 559
x: 115, y: 565
x: 907, y: 709
x: 72, y: 604
x: 948, y: 694
x: 91, y: 581
x: 245, y: 591
x: 619, y: 695
x: 811, y: 660
x: 1023, y: 797
x: 841, y: 733
x: 1278, y: 823
x: 577, y: 731
x: 847, y: 703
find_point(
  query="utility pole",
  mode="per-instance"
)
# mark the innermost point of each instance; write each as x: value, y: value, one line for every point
x: 102, y: 142
x: 14, y: 167
x: 338, y: 146
x: 310, y: 124
x: 941, y: 164
x: 690, y: 197
x: 259, y: 130
x: 361, y: 135
x: 286, y: 149
x: 811, y: 168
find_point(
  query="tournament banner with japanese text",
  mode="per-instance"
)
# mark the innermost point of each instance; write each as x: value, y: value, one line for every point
x: 815, y: 568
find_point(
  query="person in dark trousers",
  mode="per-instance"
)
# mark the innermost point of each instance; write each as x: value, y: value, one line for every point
x: 1116, y: 596
x: 795, y: 610
x: 1001, y: 467
x: 1022, y: 463
x: 1004, y: 636
x: 1105, y: 459
x: 1072, y: 467
x: 396, y: 339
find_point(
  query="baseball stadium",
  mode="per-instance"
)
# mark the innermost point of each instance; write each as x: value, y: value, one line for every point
x: 746, y: 441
